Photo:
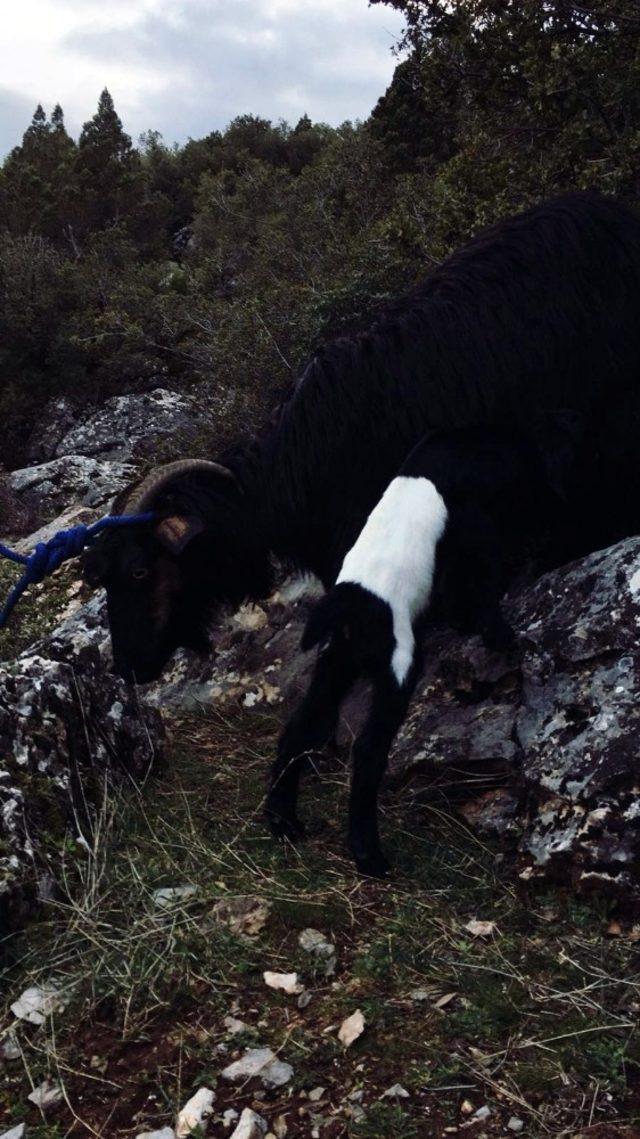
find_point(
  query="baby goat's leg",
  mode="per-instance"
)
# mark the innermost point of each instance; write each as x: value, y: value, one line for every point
x: 310, y: 727
x: 389, y: 704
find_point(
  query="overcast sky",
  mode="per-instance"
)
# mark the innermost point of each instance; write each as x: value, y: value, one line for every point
x: 184, y: 67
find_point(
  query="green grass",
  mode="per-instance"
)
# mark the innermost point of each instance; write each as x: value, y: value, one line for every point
x: 537, y: 1021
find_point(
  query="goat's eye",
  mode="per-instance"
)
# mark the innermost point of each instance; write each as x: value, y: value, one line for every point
x: 140, y: 573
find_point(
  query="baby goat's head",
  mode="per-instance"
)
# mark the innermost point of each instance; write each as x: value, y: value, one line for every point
x: 163, y: 578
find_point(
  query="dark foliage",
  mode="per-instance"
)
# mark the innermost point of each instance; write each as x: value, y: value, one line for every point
x: 225, y: 262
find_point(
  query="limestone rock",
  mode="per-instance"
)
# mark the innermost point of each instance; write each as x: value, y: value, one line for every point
x: 195, y: 1112
x: 57, y: 418
x: 320, y: 948
x: 351, y: 1028
x: 65, y: 727
x: 169, y: 897
x: 254, y: 661
x: 46, y: 1095
x: 132, y: 425
x: 560, y: 718
x: 37, y: 1003
x: 72, y: 479
x: 285, y: 982
x: 17, y: 1132
x: 260, y: 1062
x: 250, y: 1126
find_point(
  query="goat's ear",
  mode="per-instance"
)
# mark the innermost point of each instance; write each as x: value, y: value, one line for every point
x: 177, y: 530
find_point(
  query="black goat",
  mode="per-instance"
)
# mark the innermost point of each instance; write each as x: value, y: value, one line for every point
x: 464, y: 511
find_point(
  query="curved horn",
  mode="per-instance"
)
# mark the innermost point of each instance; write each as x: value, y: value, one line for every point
x: 137, y: 499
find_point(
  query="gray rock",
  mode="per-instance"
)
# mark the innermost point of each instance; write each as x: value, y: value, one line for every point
x: 18, y: 1132
x: 132, y: 425
x: 46, y: 1095
x: 10, y: 1047
x: 262, y: 1063
x: 65, y: 727
x: 396, y: 1091
x: 320, y: 948
x: 72, y: 479
x: 254, y: 662
x: 250, y: 1126
x: 561, y: 717
x: 56, y: 419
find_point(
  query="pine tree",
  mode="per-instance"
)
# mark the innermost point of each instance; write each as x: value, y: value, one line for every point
x: 36, y: 133
x: 36, y: 178
x: 57, y: 118
x: 108, y: 170
x: 103, y: 139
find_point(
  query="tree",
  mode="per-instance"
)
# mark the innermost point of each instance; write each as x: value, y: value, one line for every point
x: 36, y: 176
x: 109, y: 182
x: 501, y: 103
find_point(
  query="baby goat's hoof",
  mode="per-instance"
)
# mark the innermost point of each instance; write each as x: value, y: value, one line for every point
x: 373, y: 865
x: 286, y: 827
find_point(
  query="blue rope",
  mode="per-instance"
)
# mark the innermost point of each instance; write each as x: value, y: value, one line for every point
x: 48, y: 556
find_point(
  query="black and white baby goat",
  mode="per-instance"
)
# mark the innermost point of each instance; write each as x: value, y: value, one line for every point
x: 465, y: 511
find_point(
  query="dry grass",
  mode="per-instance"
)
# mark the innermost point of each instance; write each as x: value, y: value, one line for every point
x: 537, y: 1021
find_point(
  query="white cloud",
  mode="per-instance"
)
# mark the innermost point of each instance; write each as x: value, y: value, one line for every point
x: 185, y: 67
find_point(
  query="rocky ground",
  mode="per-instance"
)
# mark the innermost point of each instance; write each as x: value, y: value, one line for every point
x: 493, y: 998
x: 189, y: 953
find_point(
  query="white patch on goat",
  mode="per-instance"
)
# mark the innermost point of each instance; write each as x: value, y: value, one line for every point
x: 394, y: 557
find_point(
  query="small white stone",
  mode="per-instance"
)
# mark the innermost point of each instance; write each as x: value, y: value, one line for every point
x: 163, y: 1133
x: 351, y: 1028
x: 287, y: 982
x: 45, y: 1095
x: 316, y: 1094
x: 420, y: 995
x: 482, y: 1113
x: 251, y: 1126
x: 260, y: 1062
x: 194, y: 1112
x: 515, y: 1124
x: 18, y: 1132
x: 396, y: 1091
x: 170, y: 896
x: 10, y: 1048
x: 37, y: 1003
x: 234, y: 1026
x: 315, y: 942
x: 229, y: 1116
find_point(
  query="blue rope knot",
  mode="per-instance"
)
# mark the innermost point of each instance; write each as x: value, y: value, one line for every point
x: 47, y: 557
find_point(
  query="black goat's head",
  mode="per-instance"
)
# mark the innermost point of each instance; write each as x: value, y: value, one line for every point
x: 163, y: 578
